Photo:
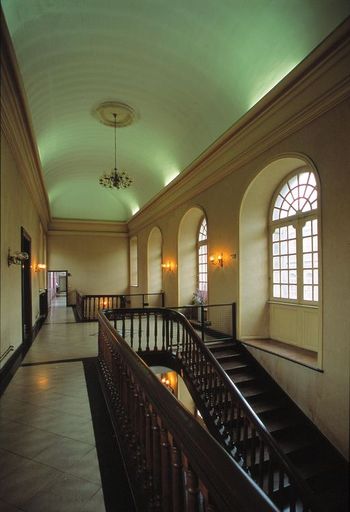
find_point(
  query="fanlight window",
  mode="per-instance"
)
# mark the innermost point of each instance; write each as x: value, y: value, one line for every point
x: 298, y: 195
x: 294, y: 240
x: 202, y: 257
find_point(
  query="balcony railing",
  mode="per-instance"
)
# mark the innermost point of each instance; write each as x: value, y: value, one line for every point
x: 88, y: 306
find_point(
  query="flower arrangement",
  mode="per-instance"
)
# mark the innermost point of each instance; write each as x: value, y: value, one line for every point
x: 199, y: 297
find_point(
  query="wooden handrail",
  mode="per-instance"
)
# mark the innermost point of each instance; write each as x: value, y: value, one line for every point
x: 214, y: 476
x: 200, y: 364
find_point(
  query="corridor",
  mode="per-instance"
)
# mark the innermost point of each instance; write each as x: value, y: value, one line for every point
x: 56, y: 447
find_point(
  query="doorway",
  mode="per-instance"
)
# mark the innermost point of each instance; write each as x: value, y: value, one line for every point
x: 27, y: 334
x: 57, y: 287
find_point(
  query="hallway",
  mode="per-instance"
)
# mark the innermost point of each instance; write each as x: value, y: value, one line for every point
x: 54, y: 428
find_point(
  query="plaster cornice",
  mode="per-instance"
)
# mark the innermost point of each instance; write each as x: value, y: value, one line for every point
x: 315, y: 86
x: 17, y: 128
x: 59, y: 227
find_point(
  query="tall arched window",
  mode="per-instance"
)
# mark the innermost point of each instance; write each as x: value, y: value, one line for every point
x: 202, y: 258
x: 294, y: 240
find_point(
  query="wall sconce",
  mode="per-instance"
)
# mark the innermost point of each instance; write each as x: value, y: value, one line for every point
x: 39, y: 266
x: 168, y: 266
x: 217, y: 260
x: 17, y: 258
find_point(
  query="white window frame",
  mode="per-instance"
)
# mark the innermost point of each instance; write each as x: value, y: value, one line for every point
x: 298, y: 221
x: 202, y: 243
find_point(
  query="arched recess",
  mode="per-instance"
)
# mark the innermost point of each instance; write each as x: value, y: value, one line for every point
x: 154, y: 262
x: 187, y: 253
x: 254, y: 316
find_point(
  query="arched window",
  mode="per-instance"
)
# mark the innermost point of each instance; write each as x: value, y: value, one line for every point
x: 294, y: 240
x: 202, y: 258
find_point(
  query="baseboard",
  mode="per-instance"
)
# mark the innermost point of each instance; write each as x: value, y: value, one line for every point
x: 12, y: 364
x: 10, y: 367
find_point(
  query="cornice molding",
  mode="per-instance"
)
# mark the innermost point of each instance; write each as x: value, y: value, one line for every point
x: 315, y: 86
x: 17, y: 128
x: 59, y: 227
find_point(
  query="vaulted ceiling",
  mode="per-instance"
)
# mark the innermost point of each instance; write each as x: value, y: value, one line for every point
x: 189, y: 68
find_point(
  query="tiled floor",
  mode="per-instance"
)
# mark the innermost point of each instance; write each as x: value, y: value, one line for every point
x: 48, y: 459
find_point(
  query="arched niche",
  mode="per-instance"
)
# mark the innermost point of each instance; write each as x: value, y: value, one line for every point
x: 154, y: 262
x: 253, y: 311
x: 187, y: 253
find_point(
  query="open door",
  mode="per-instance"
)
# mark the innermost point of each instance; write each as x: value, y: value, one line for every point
x: 57, y: 284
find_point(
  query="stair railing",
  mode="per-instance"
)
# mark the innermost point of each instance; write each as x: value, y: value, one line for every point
x: 227, y: 414
x: 173, y: 463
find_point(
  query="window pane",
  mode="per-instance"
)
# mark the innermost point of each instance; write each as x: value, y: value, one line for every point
x: 292, y: 277
x: 284, y: 261
x: 307, y: 260
x: 307, y: 276
x: 276, y: 291
x: 276, y: 248
x: 284, y: 276
x: 293, y: 292
x: 293, y: 261
x: 307, y: 244
x: 276, y: 276
x: 284, y: 248
x: 307, y: 292
x: 284, y: 291
x: 276, y: 262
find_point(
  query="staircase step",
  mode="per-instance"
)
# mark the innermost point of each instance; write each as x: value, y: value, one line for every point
x: 254, y: 388
x: 280, y: 419
x: 313, y: 461
x: 295, y: 439
x: 222, y: 353
x: 233, y: 363
x: 271, y: 402
x: 218, y: 344
x: 242, y: 376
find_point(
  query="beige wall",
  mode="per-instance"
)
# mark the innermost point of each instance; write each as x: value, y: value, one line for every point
x: 17, y: 210
x: 324, y: 397
x: 98, y: 263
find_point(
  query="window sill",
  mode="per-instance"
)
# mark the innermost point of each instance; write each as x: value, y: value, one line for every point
x: 294, y: 304
x: 297, y: 355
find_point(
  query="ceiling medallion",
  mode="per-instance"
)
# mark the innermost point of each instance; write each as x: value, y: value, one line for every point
x: 126, y: 115
x: 117, y: 115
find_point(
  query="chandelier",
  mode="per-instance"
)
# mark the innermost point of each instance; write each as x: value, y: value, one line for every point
x: 115, y: 179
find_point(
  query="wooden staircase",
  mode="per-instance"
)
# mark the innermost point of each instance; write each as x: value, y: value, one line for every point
x: 315, y: 460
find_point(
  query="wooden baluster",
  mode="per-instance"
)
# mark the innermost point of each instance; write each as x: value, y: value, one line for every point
x: 164, y: 321
x: 261, y: 464
x: 156, y: 465
x: 165, y: 471
x: 177, y: 338
x: 270, y: 481
x: 192, y: 489
x: 123, y: 327
x: 131, y: 319
x: 155, y: 332
x: 147, y: 330
x: 177, y: 480
x: 140, y: 331
x: 148, y: 435
x: 171, y: 335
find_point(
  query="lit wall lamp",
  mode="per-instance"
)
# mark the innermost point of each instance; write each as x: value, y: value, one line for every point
x: 40, y: 266
x: 17, y: 258
x: 168, y: 266
x: 217, y: 260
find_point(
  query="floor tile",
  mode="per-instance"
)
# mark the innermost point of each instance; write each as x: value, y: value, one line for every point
x: 23, y: 483
x: 63, y: 453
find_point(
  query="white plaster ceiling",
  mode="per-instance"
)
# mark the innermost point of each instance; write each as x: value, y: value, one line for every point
x: 190, y: 69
